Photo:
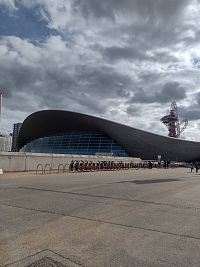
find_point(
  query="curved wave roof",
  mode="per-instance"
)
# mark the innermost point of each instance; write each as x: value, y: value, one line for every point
x: 137, y: 143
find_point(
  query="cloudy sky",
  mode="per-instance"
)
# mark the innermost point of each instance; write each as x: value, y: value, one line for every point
x: 120, y: 60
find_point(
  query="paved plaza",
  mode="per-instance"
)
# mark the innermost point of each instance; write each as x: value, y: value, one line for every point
x: 102, y: 219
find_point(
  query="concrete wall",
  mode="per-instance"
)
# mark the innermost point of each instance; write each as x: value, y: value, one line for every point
x: 19, y: 161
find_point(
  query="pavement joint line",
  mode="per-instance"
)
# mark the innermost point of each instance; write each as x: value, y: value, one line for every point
x: 85, y: 200
x: 42, y: 251
x: 115, y: 198
x: 32, y: 255
x: 67, y: 258
x: 33, y: 209
x: 93, y: 201
x: 106, y: 222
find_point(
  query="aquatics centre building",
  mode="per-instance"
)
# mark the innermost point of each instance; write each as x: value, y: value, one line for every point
x: 65, y: 132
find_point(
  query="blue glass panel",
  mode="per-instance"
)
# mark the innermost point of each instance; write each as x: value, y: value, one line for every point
x: 86, y: 143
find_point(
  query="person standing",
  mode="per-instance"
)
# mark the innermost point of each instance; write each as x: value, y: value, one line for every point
x: 168, y: 164
x: 196, y: 165
x: 71, y: 166
x: 150, y: 165
x: 165, y: 164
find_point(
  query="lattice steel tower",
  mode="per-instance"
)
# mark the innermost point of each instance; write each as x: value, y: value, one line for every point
x: 175, y: 127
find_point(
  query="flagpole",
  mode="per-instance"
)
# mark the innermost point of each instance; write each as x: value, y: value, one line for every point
x: 1, y: 103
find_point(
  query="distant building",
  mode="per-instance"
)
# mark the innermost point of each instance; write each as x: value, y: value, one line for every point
x: 16, y: 129
x: 5, y: 143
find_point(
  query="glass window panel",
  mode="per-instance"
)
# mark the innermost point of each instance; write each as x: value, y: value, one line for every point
x: 82, y: 146
x: 73, y: 143
x: 94, y: 140
x: 94, y: 144
x: 82, y: 142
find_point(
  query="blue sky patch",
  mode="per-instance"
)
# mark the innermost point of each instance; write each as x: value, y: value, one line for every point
x: 24, y: 23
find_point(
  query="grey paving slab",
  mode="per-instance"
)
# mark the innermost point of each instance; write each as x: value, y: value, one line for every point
x: 125, y: 218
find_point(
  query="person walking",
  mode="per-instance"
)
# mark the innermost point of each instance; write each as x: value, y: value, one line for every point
x: 191, y: 166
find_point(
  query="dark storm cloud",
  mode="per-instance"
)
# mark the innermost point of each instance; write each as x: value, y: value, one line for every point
x: 134, y: 52
x: 170, y: 91
x: 125, y: 53
x: 197, y: 98
x: 94, y: 8
x: 190, y: 113
x: 104, y: 81
x: 86, y: 87
x: 79, y: 87
x: 151, y: 9
x: 133, y: 110
x: 149, y: 27
x: 141, y: 23
x: 91, y: 104
x: 17, y: 79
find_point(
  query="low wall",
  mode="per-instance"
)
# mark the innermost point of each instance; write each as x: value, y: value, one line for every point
x: 19, y: 161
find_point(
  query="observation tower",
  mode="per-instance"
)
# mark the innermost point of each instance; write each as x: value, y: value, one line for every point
x: 175, y: 127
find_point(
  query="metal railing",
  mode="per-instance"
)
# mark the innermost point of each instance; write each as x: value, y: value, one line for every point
x: 65, y: 169
x: 59, y: 168
x: 45, y: 168
x: 40, y: 165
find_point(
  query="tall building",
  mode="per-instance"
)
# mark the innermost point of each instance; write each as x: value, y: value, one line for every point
x: 16, y: 129
x: 5, y: 143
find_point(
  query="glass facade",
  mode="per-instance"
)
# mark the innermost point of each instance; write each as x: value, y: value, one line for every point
x: 81, y: 143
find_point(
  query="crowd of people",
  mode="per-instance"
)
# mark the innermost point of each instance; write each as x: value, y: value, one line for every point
x: 83, y: 166
x: 194, y: 165
x: 166, y: 164
x: 79, y: 166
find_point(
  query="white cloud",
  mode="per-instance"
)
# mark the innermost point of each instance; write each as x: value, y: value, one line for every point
x: 10, y: 4
x: 102, y: 54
